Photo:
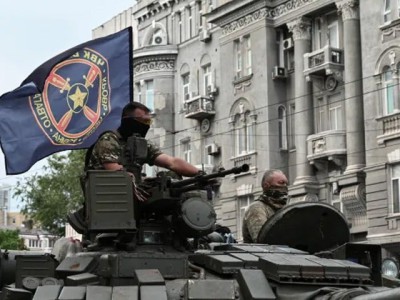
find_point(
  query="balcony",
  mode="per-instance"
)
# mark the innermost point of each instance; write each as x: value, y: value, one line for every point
x: 391, y: 127
x: 328, y: 145
x: 199, y: 108
x: 323, y: 62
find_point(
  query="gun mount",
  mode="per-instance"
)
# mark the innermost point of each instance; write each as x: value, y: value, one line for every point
x: 168, y: 262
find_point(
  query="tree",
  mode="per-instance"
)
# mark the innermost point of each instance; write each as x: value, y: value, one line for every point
x: 48, y: 198
x: 10, y: 240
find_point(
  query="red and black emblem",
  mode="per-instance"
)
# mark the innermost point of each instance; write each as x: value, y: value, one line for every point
x: 75, y: 98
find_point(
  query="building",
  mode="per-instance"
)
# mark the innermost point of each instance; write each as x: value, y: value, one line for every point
x: 5, y: 192
x: 306, y: 86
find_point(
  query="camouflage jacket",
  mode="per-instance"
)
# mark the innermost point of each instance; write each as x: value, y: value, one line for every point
x: 255, y: 217
x: 108, y: 149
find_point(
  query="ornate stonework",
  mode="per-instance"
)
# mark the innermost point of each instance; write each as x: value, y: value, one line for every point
x: 301, y: 28
x: 271, y: 13
x: 154, y: 66
x: 391, y: 31
x: 245, y: 21
x: 348, y: 9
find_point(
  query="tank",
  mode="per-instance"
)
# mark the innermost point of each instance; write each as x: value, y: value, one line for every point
x: 167, y: 248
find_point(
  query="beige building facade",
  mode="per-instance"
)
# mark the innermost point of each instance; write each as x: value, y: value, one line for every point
x: 306, y: 86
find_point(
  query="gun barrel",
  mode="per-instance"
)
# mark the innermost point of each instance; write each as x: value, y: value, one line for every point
x: 205, y: 178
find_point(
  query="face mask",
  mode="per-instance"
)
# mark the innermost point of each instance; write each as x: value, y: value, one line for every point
x: 279, y: 193
x: 130, y: 126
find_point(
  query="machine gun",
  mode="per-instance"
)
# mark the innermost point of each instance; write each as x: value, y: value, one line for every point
x: 165, y: 191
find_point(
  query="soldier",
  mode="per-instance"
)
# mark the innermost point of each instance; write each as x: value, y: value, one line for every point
x: 136, y: 119
x: 274, y: 184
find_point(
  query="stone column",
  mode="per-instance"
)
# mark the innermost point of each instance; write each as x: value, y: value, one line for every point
x: 349, y: 9
x: 301, y: 30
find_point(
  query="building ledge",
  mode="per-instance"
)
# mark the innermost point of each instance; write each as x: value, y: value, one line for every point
x: 390, y: 126
x: 323, y: 62
x: 327, y: 146
x: 390, y: 30
x: 199, y: 108
x: 159, y: 50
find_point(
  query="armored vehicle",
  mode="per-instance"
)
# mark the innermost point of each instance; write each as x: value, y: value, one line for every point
x: 167, y: 249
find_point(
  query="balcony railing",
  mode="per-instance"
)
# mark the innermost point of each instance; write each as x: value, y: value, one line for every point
x: 326, y: 145
x: 323, y: 61
x: 199, y: 108
x: 391, y: 127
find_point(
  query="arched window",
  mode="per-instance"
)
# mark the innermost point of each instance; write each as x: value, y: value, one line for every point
x: 282, y: 129
x: 388, y: 91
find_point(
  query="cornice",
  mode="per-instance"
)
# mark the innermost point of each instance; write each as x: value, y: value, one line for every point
x: 153, y: 58
x: 162, y: 64
x: 150, y: 8
x: 163, y: 50
x: 234, y: 16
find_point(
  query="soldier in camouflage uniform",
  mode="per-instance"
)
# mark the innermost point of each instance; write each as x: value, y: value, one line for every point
x: 135, y: 119
x: 274, y: 184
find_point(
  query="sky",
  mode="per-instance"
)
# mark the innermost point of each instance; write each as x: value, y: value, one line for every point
x: 32, y: 32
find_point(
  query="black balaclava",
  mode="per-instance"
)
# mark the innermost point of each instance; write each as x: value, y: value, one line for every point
x: 130, y: 126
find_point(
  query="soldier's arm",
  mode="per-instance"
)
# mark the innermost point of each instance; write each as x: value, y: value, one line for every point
x: 108, y: 151
x: 176, y: 164
x: 255, y: 219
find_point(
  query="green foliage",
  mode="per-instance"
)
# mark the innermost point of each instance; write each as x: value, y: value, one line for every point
x: 10, y: 240
x: 48, y: 198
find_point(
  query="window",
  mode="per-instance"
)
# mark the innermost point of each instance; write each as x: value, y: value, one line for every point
x: 335, y: 116
x: 398, y: 8
x: 185, y: 85
x: 326, y: 31
x: 207, y: 79
x: 395, y: 177
x: 387, y: 11
x: 243, y: 57
x: 282, y: 128
x: 34, y: 244
x: 333, y: 30
x: 238, y: 58
x: 200, y: 8
x: 179, y: 27
x: 318, y: 33
x: 388, y: 90
x: 138, y: 90
x: 242, y: 204
x: 190, y: 22
x: 390, y: 10
x: 329, y: 113
x: 292, y: 126
x: 150, y: 94
x: 187, y: 151
x: 247, y: 45
x: 279, y: 45
x: 244, y: 133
